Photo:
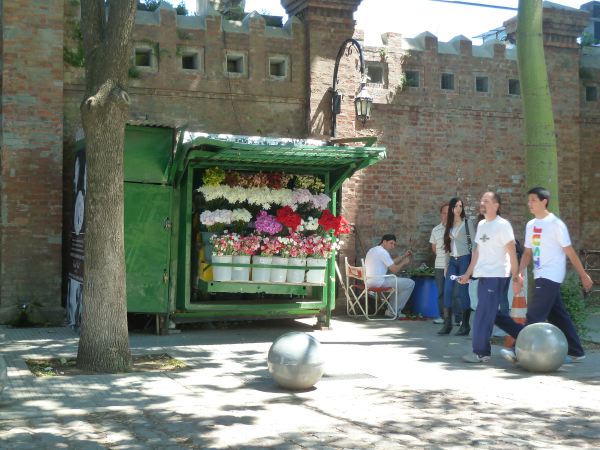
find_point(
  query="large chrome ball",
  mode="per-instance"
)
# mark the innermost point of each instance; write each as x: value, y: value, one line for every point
x: 541, y: 347
x: 295, y: 360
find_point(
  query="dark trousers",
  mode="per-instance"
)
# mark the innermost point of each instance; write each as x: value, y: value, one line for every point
x: 457, y: 266
x: 547, y: 304
x: 439, y: 282
x: 491, y: 292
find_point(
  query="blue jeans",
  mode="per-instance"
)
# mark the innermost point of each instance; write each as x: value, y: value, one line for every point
x: 457, y: 266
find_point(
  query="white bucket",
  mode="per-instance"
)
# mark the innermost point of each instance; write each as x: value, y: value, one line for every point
x: 262, y: 274
x: 279, y: 275
x: 296, y: 275
x: 240, y: 273
x: 221, y: 273
x: 316, y: 276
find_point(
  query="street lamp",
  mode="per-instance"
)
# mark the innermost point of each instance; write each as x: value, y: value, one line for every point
x: 363, y: 99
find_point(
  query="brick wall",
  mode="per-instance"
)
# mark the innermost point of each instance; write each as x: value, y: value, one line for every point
x: 440, y: 143
x: 462, y: 142
x: 31, y: 158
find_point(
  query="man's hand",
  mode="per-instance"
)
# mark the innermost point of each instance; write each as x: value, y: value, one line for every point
x: 518, y: 283
x: 586, y: 281
x: 463, y: 279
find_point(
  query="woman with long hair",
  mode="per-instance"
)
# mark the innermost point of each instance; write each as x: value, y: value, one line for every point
x: 458, y: 243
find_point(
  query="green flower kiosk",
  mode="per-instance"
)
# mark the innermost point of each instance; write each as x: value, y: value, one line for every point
x: 213, y: 223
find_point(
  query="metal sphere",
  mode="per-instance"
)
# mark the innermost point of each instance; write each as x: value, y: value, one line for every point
x: 541, y: 347
x: 295, y: 360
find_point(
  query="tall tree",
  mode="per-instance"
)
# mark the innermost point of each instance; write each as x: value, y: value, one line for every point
x: 107, y: 30
x: 540, y: 135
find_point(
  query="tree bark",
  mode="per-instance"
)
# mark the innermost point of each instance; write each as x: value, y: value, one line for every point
x: 540, y: 135
x: 104, y: 341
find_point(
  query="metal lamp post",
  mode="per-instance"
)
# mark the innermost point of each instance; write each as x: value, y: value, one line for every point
x: 363, y: 100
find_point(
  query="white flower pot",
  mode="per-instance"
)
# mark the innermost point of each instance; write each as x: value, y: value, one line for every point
x: 221, y: 273
x: 260, y: 273
x: 240, y: 273
x: 316, y: 276
x: 296, y: 275
x: 279, y: 275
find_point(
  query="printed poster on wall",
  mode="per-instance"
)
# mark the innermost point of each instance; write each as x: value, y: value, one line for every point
x: 76, y: 249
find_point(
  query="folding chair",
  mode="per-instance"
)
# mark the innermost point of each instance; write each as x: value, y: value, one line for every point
x: 358, y: 294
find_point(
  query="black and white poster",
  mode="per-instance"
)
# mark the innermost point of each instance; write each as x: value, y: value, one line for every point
x: 76, y: 244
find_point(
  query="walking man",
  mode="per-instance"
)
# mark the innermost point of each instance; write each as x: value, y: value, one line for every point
x: 378, y: 262
x: 547, y: 244
x: 493, y: 261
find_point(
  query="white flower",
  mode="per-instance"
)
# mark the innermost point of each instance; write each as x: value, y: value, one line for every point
x: 241, y: 215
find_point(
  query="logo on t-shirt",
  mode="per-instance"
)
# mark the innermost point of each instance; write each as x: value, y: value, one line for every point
x: 484, y: 238
x: 536, y: 240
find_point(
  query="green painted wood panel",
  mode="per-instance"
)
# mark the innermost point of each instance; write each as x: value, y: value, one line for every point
x: 148, y: 153
x: 147, y: 243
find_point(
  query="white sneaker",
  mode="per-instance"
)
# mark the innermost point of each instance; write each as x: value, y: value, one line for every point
x: 509, y: 355
x: 474, y: 358
x: 438, y: 320
x: 401, y: 316
x: 574, y: 359
x: 389, y: 314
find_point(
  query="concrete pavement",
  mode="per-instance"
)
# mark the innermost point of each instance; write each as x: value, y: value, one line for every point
x: 387, y: 385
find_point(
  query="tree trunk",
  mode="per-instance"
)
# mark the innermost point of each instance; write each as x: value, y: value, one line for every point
x: 540, y: 136
x: 104, y: 341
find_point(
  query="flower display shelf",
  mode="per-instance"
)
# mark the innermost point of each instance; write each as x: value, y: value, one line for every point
x: 260, y: 286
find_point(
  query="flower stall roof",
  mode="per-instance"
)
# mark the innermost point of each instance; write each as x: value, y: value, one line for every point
x: 293, y: 155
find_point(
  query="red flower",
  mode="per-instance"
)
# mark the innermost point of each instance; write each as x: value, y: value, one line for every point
x: 286, y: 216
x: 338, y: 224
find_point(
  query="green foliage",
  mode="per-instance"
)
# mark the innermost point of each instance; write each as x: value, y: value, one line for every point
x: 75, y: 58
x: 24, y: 319
x: 153, y: 5
x: 181, y: 9
x: 588, y: 39
x: 573, y: 298
x: 422, y: 271
x: 134, y: 72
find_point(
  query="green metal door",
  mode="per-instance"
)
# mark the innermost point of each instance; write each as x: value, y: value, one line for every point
x: 147, y: 238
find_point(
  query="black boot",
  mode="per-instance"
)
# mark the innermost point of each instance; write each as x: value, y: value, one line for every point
x: 465, y: 327
x: 447, y: 327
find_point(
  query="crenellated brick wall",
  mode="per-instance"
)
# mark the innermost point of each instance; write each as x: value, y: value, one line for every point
x: 440, y: 143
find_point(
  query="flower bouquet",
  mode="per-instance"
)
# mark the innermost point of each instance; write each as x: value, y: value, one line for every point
x: 243, y: 249
x: 239, y: 219
x: 287, y: 217
x: 215, y: 221
x: 222, y: 251
x: 339, y: 225
x: 267, y: 224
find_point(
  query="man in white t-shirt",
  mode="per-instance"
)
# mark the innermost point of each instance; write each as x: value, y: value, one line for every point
x: 547, y: 244
x: 378, y: 262
x: 493, y: 261
x: 441, y: 258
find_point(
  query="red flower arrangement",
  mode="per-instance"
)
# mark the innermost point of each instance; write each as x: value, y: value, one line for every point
x: 338, y: 224
x: 286, y: 216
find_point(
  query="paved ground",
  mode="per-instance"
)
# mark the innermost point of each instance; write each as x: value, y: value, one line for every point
x: 387, y: 385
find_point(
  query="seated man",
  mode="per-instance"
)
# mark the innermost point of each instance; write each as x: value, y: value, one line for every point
x: 378, y: 262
